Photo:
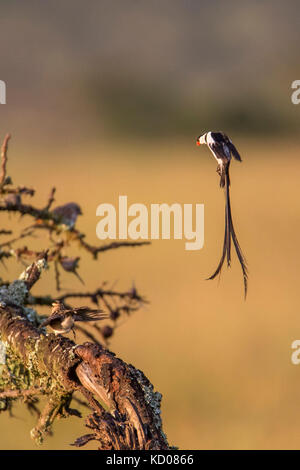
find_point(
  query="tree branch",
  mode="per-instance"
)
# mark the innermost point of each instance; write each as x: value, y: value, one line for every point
x: 57, y: 367
x: 4, y: 159
x: 125, y: 410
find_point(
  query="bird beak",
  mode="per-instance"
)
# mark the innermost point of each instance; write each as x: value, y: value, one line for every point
x: 198, y: 142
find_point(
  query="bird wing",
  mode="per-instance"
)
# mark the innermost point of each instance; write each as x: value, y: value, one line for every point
x: 48, y: 320
x: 232, y: 148
x: 86, y: 314
x: 219, y: 150
x: 234, y: 152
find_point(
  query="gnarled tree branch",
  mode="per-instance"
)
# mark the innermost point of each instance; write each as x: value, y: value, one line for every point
x: 125, y: 410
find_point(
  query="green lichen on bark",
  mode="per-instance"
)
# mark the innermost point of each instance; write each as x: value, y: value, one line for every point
x: 34, y: 361
x: 152, y: 398
x: 14, y: 293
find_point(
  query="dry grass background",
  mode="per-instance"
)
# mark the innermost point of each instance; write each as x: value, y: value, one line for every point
x: 223, y: 365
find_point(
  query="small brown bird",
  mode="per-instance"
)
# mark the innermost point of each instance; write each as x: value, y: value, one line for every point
x: 71, y: 265
x: 68, y: 213
x: 62, y: 320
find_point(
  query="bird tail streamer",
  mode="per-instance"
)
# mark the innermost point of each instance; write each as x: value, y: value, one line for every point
x: 230, y: 234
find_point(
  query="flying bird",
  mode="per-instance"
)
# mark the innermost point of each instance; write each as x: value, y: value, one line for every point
x: 223, y: 149
x: 62, y: 319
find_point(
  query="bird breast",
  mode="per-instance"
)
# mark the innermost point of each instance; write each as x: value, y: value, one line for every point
x: 67, y: 323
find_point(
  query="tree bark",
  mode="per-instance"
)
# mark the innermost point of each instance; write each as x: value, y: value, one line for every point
x: 128, y: 415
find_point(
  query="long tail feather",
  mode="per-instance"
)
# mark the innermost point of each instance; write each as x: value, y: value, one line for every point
x: 230, y: 233
x: 225, y: 246
x: 80, y: 279
x: 228, y: 214
x: 240, y: 256
x: 238, y: 250
x: 220, y: 265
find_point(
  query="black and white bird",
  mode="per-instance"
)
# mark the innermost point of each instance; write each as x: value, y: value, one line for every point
x: 62, y: 320
x: 223, y: 149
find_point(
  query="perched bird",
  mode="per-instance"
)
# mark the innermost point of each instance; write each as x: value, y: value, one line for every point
x: 62, y: 320
x: 68, y: 213
x: 71, y: 265
x: 13, y: 200
x: 223, y: 149
x: 64, y: 217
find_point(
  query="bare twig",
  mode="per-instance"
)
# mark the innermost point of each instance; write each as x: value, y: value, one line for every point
x: 103, y: 292
x: 10, y: 242
x: 4, y: 159
x: 20, y: 393
x: 50, y: 199
x: 5, y: 232
x: 57, y: 276
x: 94, y: 250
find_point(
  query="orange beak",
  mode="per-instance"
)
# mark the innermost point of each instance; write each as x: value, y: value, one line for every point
x: 197, y: 142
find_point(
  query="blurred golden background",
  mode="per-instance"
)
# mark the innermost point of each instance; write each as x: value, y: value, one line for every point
x: 107, y: 100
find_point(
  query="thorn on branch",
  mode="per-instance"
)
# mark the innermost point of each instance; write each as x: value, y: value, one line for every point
x: 50, y: 199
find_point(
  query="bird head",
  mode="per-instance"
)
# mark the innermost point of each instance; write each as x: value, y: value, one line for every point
x: 76, y: 208
x: 201, y: 139
x: 57, y: 304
